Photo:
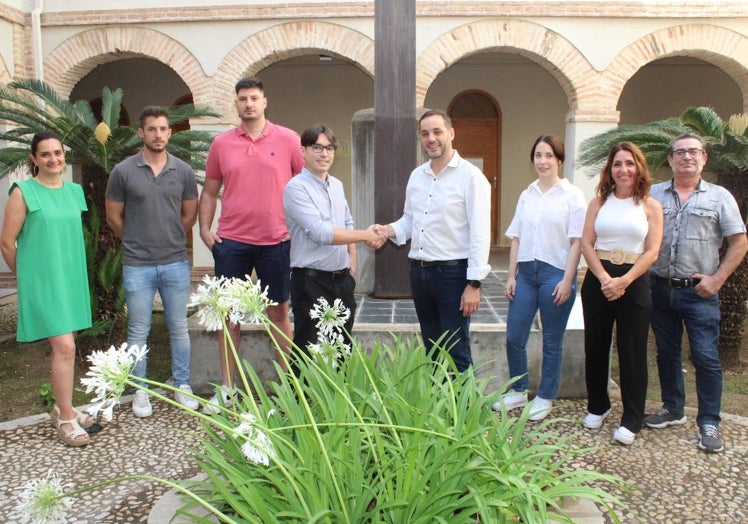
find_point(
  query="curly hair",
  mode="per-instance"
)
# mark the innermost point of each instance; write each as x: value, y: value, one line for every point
x: 607, y: 184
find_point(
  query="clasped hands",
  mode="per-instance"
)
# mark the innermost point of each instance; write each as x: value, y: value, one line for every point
x: 613, y: 288
x: 378, y: 235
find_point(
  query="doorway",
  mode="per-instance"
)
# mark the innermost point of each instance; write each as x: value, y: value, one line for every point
x: 476, y: 119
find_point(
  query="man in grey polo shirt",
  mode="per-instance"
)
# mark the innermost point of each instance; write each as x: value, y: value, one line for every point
x: 686, y: 279
x: 151, y: 203
x: 323, y: 251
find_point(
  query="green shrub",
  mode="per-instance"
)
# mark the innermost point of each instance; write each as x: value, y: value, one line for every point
x: 392, y: 437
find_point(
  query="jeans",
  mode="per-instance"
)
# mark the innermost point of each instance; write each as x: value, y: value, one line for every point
x: 535, y: 283
x: 173, y: 284
x: 437, y: 291
x: 672, y: 308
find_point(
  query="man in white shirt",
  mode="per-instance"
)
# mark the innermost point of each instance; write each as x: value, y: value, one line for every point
x: 447, y: 216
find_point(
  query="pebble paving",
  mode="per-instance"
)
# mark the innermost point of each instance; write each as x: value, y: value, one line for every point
x: 672, y: 481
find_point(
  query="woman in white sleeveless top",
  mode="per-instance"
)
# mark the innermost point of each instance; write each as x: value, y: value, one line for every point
x: 621, y: 240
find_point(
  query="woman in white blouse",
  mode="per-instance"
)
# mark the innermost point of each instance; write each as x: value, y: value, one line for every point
x: 543, y: 260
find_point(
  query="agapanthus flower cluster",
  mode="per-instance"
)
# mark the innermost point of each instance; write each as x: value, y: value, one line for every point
x: 258, y: 448
x: 107, y: 377
x: 331, y: 319
x: 239, y: 300
x: 42, y: 501
x: 331, y: 343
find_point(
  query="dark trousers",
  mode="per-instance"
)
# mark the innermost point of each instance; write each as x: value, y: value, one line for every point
x: 631, y: 314
x: 305, y: 291
x: 437, y: 291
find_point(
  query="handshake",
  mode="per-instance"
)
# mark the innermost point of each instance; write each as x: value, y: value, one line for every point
x: 377, y: 235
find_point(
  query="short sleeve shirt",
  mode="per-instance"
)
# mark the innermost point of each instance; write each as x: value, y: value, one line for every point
x: 546, y: 222
x: 153, y: 234
x: 254, y: 174
x: 694, y: 231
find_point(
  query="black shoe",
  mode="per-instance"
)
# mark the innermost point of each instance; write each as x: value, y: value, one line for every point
x: 664, y: 418
x: 709, y: 439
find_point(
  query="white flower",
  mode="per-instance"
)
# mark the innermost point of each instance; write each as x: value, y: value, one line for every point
x: 42, y: 501
x: 330, y: 351
x: 248, y: 299
x: 237, y: 299
x: 108, y: 376
x: 330, y: 319
x: 213, y: 307
x: 258, y: 448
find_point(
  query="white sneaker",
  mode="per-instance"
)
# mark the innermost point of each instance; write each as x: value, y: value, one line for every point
x: 183, y: 396
x: 540, y: 408
x: 227, y: 395
x: 624, y: 436
x: 511, y: 400
x: 141, y: 405
x: 592, y: 421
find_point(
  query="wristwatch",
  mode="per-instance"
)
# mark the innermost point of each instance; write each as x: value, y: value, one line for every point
x: 474, y: 283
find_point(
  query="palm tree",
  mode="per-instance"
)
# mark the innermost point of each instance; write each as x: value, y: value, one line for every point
x: 31, y: 105
x: 727, y: 144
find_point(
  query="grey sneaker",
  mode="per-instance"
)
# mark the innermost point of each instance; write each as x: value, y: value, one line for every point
x: 664, y: 418
x: 709, y: 439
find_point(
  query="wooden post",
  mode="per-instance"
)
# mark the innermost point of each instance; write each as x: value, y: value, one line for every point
x: 395, y: 139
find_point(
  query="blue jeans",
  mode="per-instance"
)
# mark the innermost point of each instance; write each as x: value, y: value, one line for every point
x: 672, y: 309
x: 437, y: 291
x: 535, y: 283
x: 173, y: 284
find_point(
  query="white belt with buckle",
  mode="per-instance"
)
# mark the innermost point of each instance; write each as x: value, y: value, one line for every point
x: 617, y: 256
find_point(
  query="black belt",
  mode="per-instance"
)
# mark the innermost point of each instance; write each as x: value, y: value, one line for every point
x: 318, y: 273
x: 679, y: 283
x: 437, y: 263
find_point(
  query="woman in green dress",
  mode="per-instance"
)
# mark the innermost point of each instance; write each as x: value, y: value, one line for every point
x: 42, y: 242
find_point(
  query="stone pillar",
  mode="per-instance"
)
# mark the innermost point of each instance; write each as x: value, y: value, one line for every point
x: 396, y: 140
x: 579, y: 127
x: 363, y: 191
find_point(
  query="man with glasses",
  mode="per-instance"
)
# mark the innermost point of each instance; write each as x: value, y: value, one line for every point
x: 323, y: 250
x: 686, y: 279
x: 253, y: 162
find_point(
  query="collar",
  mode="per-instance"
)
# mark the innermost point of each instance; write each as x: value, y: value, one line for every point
x: 269, y: 128
x: 702, y: 185
x: 308, y: 175
x: 453, y: 162
x: 140, y: 161
x: 563, y: 185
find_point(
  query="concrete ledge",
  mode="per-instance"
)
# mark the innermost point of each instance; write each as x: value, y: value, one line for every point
x: 487, y: 340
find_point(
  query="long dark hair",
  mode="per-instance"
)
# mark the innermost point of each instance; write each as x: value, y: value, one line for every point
x: 607, y: 184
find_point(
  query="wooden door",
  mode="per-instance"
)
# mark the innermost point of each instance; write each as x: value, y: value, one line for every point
x: 477, y: 140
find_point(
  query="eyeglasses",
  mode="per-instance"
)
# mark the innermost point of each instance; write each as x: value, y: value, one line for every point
x: 318, y: 148
x: 681, y: 153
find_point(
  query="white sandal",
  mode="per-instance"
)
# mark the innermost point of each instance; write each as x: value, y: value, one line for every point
x: 70, y: 438
x: 84, y: 420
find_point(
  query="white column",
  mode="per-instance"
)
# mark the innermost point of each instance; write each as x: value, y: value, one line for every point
x: 579, y: 128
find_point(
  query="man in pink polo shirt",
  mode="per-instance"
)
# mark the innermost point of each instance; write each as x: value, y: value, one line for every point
x: 253, y: 163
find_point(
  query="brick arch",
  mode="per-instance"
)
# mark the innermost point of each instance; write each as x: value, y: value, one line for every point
x: 718, y: 46
x: 539, y: 44
x: 79, y: 55
x: 289, y: 40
